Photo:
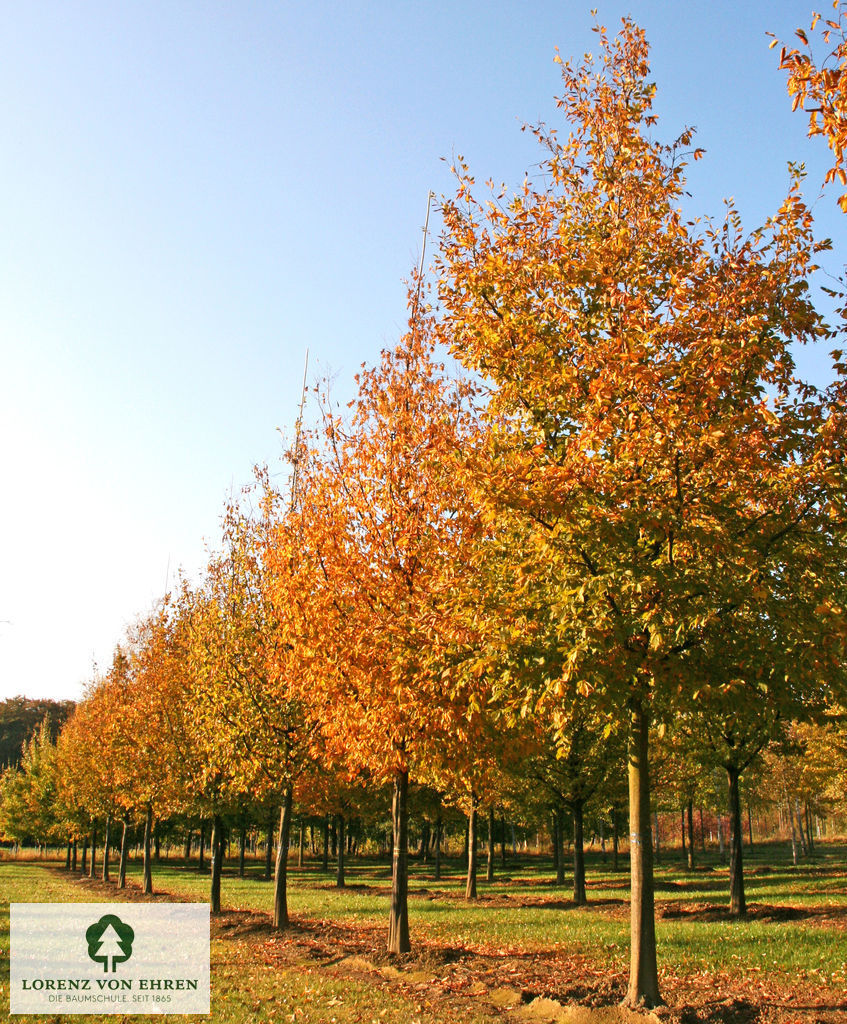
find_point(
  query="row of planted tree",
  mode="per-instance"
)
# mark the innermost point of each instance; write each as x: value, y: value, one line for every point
x: 611, y: 536
x: 41, y: 805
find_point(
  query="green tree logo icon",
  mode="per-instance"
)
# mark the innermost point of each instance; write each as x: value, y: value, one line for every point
x: 109, y: 940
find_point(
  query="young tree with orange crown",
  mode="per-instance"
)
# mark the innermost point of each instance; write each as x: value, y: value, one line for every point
x: 387, y: 529
x: 646, y: 417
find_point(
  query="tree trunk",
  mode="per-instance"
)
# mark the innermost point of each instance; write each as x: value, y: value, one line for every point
x: 439, y: 825
x: 800, y: 830
x: 187, y: 852
x: 559, y: 839
x: 92, y: 870
x: 301, y: 844
x: 84, y: 864
x: 217, y: 853
x: 148, y: 838
x: 489, y: 875
x: 503, y: 841
x: 615, y: 850
x: 280, y: 921
x: 398, y: 920
x: 793, y: 833
x: 201, y: 858
x: 738, y: 905
x: 470, y: 885
x: 702, y: 831
x: 124, y: 855
x: 106, y: 840
x: 810, y: 843
x: 68, y: 857
x: 684, y: 844
x: 242, y: 850
x: 578, y: 855
x: 269, y: 849
x: 554, y: 836
x: 157, y: 846
x: 339, y: 851
x: 643, y: 988
x: 721, y: 845
x: 690, y: 815
x: 325, y: 854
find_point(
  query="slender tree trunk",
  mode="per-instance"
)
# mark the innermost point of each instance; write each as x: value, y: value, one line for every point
x: 301, y: 844
x: 503, y: 841
x: 92, y: 870
x: 242, y: 849
x: 439, y: 826
x: 489, y: 875
x: 73, y: 856
x: 339, y: 851
x: 269, y: 849
x: 398, y: 919
x: 157, y: 845
x: 124, y: 855
x: 702, y: 831
x: 738, y: 904
x: 84, y: 865
x: 810, y: 843
x: 186, y: 856
x: 217, y: 854
x: 690, y: 816
x: 721, y: 846
x: 559, y: 834
x: 148, y: 837
x: 202, y: 852
x: 793, y: 832
x: 684, y: 844
x: 643, y: 988
x: 325, y: 854
x: 615, y: 839
x: 68, y: 857
x: 578, y: 854
x: 280, y: 922
x: 554, y: 835
x: 470, y: 885
x: 106, y: 840
x: 800, y: 831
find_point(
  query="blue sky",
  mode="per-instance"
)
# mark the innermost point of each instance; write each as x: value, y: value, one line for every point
x: 191, y: 194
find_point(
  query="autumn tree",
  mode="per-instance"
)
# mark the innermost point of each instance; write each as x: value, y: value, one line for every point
x: 646, y: 416
x: 250, y: 724
x: 387, y: 527
x: 819, y: 86
x: 28, y: 791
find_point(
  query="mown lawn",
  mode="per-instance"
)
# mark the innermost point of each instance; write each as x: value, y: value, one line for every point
x: 523, y: 938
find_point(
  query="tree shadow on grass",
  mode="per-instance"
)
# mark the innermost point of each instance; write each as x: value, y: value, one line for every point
x: 835, y: 917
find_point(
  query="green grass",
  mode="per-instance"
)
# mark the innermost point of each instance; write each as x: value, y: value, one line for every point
x: 797, y: 929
